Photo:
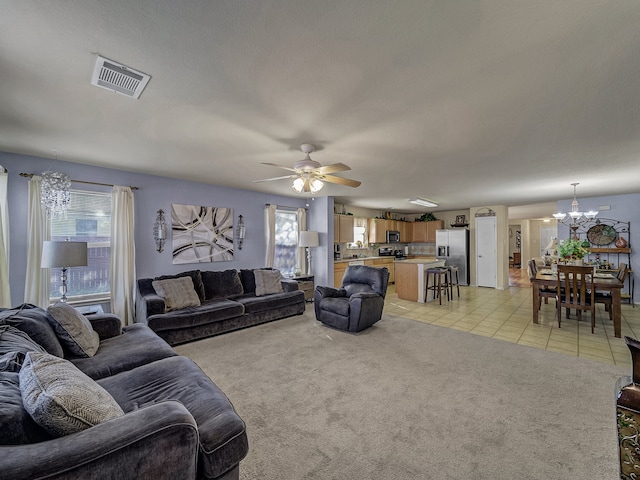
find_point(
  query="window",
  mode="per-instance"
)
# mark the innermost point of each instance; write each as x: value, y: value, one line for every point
x: 88, y: 219
x: 286, y: 245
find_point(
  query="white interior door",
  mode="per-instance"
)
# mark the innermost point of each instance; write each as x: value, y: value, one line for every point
x: 486, y: 252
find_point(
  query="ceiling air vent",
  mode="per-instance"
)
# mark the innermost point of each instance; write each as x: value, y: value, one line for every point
x: 119, y: 78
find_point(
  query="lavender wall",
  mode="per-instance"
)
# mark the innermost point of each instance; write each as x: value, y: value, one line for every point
x: 625, y: 208
x: 155, y: 193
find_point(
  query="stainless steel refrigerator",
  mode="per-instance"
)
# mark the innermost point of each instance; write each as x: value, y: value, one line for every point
x: 452, y: 245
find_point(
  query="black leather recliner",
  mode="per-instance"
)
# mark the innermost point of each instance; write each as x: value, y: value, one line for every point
x: 358, y: 303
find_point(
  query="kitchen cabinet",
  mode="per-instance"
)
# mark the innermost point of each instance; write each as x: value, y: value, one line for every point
x: 378, y: 229
x: 338, y: 273
x: 386, y: 262
x: 405, y: 231
x: 425, y: 232
x: 342, y: 228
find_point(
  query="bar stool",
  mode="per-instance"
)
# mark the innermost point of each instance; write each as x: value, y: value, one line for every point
x: 440, y: 276
x: 454, y: 282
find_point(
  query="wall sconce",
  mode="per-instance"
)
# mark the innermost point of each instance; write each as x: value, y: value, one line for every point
x: 241, y: 232
x: 160, y: 231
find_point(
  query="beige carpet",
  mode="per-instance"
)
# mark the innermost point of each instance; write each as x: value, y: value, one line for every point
x: 407, y: 400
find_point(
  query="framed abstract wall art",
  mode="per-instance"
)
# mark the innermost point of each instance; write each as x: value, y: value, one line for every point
x: 201, y: 234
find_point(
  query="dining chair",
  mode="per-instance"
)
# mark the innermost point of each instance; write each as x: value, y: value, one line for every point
x: 605, y: 297
x: 543, y: 291
x: 575, y: 284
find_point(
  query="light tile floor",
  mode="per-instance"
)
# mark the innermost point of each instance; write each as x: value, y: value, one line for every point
x: 507, y: 315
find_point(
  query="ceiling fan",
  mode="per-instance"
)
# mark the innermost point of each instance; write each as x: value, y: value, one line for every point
x: 309, y: 175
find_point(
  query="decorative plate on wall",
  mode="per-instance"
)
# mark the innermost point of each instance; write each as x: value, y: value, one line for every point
x: 601, y: 235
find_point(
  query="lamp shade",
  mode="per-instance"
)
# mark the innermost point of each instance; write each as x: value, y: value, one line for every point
x: 64, y: 254
x: 309, y: 239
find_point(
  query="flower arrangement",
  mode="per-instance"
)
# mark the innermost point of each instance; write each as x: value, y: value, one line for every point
x: 572, y: 249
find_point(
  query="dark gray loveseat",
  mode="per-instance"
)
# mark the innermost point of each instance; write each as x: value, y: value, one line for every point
x: 228, y: 302
x: 177, y: 423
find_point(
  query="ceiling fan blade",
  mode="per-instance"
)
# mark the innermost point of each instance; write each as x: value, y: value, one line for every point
x: 336, y: 167
x: 340, y: 181
x: 279, y: 166
x: 274, y: 178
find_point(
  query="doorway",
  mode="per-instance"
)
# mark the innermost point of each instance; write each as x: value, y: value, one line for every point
x: 486, y: 252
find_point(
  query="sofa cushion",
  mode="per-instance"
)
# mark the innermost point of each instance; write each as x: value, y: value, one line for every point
x: 209, y: 311
x: 177, y: 293
x: 32, y: 320
x: 248, y: 280
x: 225, y: 284
x: 268, y: 282
x: 137, y: 345
x: 16, y: 424
x: 62, y: 399
x: 253, y: 304
x: 195, y: 276
x: 223, y: 438
x: 337, y: 305
x: 73, y: 330
x: 14, y: 345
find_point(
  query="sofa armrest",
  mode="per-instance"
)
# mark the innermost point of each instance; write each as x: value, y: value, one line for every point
x: 289, y: 285
x: 106, y: 324
x: 147, y: 305
x: 125, y: 447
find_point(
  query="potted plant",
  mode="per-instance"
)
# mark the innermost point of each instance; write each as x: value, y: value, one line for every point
x: 572, y: 250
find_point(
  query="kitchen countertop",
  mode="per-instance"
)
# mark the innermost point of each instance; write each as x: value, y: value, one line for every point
x: 415, y: 259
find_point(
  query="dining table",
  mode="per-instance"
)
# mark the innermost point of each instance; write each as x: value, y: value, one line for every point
x: 603, y: 282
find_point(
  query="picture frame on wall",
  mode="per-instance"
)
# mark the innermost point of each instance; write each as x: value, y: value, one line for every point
x: 460, y: 219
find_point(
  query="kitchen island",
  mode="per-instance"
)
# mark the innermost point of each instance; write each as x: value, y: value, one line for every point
x: 411, y: 277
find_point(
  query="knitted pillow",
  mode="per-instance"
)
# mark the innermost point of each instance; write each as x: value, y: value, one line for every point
x: 196, y: 277
x: 268, y: 282
x: 177, y: 293
x: 74, y: 330
x: 62, y: 399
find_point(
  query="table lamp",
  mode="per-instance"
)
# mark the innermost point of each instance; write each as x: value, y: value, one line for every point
x: 64, y: 255
x: 309, y: 239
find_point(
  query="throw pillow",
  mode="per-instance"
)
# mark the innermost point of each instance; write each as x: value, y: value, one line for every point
x: 268, y: 282
x: 32, y: 320
x: 195, y: 275
x: 224, y: 284
x: 74, y: 330
x: 62, y: 399
x: 177, y: 293
x: 14, y: 345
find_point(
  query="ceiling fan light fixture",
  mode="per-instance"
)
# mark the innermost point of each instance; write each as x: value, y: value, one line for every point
x: 423, y: 202
x: 307, y: 185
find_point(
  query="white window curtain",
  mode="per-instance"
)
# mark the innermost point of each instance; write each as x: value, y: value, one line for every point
x: 302, y: 226
x: 5, y: 293
x: 123, y: 265
x: 270, y: 220
x: 36, y: 288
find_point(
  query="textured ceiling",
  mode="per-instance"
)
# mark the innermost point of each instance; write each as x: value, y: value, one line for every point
x: 465, y: 102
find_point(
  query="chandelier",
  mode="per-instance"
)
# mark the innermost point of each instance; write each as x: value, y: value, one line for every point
x: 575, y: 218
x: 55, y: 192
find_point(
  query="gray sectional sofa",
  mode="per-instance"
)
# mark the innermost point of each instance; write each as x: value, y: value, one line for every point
x: 226, y: 300
x: 175, y: 422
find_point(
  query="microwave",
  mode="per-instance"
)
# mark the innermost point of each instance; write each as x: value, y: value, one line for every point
x: 393, y: 236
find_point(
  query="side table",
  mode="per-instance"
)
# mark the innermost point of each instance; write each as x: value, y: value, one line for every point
x: 305, y: 283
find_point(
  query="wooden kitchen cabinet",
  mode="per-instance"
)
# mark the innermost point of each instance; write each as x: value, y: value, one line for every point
x: 342, y: 228
x: 386, y: 262
x: 425, y: 232
x: 338, y: 273
x: 378, y: 229
x: 431, y: 229
x: 405, y: 231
